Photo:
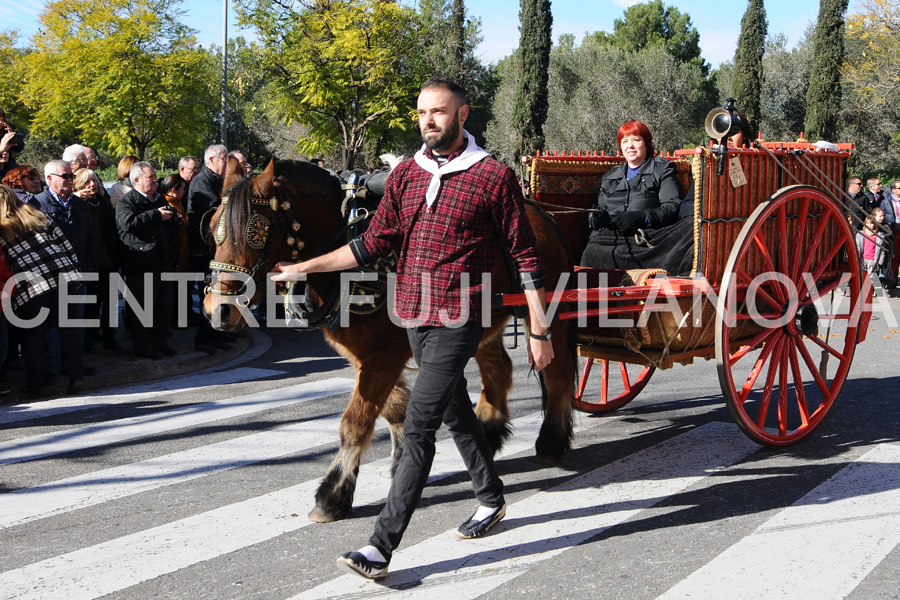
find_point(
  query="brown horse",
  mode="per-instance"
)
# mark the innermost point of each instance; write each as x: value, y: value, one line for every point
x: 300, y: 203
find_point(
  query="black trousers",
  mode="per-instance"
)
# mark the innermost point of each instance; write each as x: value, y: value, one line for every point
x: 151, y: 331
x: 438, y: 395
x: 34, y: 340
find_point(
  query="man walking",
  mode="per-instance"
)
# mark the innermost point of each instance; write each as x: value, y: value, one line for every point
x: 449, y: 212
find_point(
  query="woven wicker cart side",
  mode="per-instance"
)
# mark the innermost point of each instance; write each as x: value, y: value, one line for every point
x: 721, y: 208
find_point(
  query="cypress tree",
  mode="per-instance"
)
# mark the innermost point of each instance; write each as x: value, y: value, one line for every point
x: 748, y: 61
x: 823, y: 96
x: 531, y: 101
x: 458, y: 35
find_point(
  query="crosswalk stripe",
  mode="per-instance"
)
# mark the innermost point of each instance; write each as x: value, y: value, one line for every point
x: 126, y: 561
x: 111, y: 432
x: 57, y: 497
x: 15, y: 413
x: 547, y: 524
x: 821, y: 547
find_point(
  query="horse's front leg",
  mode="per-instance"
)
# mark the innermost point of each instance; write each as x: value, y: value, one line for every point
x: 334, y: 498
x: 496, y: 370
x: 557, y: 389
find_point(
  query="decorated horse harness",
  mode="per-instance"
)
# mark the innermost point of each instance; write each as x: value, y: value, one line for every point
x: 357, y: 211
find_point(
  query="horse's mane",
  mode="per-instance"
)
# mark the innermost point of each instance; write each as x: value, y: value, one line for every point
x: 301, y: 177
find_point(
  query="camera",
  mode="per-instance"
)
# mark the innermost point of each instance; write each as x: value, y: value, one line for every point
x: 176, y: 216
x: 18, y: 140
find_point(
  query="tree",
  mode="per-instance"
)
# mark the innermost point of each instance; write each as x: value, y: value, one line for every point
x: 651, y: 24
x: 11, y: 75
x: 530, y: 110
x: 871, y: 74
x: 748, y: 61
x: 445, y: 20
x: 823, y: 98
x: 124, y: 75
x: 783, y: 103
x: 587, y: 105
x: 458, y: 37
x: 339, y: 67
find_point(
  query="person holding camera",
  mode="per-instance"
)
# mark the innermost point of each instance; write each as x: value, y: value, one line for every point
x: 11, y: 142
x: 148, y: 233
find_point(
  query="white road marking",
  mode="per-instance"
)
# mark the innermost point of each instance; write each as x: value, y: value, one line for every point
x: 126, y: 561
x: 57, y: 497
x: 112, y: 432
x: 547, y: 524
x: 821, y: 547
x: 121, y: 395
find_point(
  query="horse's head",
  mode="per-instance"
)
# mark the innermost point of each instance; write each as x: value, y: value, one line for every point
x: 280, y: 214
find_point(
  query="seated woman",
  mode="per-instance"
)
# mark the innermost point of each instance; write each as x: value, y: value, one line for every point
x: 636, y: 223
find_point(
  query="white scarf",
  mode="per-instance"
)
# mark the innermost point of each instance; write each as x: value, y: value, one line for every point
x: 470, y: 156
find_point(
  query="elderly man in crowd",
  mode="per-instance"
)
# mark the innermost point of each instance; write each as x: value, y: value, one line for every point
x: 243, y: 160
x: 73, y: 217
x: 148, y: 234
x: 76, y: 156
x: 204, y: 194
x: 188, y: 168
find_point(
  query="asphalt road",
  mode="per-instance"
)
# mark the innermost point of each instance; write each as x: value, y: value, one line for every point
x: 199, y: 486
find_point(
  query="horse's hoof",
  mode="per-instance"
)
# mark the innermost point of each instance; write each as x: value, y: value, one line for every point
x: 547, y: 459
x: 317, y: 515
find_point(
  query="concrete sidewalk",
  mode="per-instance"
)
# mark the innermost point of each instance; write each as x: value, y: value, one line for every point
x: 118, y: 367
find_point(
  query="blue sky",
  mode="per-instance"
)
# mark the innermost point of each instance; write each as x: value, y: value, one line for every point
x: 717, y: 20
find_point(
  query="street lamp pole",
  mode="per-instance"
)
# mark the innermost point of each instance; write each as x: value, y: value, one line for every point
x: 224, y: 133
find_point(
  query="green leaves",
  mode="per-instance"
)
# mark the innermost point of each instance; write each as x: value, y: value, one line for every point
x: 124, y: 75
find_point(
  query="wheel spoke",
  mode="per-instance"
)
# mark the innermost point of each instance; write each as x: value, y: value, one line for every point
x: 770, y: 383
x: 810, y: 253
x: 820, y: 268
x: 604, y: 381
x: 798, y: 237
x: 625, y: 381
x: 760, y: 292
x: 754, y: 372
x: 810, y: 365
x: 752, y: 344
x: 781, y: 235
x: 798, y: 386
x: 816, y: 340
x: 783, y: 387
x: 770, y: 268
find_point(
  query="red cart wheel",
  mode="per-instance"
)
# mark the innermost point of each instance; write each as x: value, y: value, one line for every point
x: 785, y: 330
x: 620, y: 383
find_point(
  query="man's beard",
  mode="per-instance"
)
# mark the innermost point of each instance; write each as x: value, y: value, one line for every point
x: 445, y: 138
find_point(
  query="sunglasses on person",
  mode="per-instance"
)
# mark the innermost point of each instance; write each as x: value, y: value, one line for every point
x: 66, y: 176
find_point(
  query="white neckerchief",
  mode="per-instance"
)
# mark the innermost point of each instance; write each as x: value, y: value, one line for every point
x: 470, y: 156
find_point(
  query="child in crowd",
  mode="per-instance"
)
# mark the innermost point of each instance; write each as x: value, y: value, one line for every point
x: 870, y: 242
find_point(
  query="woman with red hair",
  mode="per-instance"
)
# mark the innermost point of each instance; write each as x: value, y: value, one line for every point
x: 642, y: 195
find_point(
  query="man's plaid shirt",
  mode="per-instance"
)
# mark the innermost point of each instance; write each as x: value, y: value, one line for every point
x: 46, y: 254
x: 477, y: 213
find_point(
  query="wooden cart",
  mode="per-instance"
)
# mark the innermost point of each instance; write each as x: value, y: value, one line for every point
x: 776, y: 294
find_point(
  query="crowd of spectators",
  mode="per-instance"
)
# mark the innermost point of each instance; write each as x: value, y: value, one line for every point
x: 877, y: 221
x: 66, y: 240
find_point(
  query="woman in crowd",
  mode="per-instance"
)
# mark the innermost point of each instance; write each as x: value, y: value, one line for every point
x: 25, y: 181
x: 88, y: 187
x: 173, y: 189
x: 638, y: 202
x: 43, y: 259
x: 123, y: 185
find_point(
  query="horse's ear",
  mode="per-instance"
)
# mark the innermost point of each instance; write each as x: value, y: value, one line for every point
x: 263, y: 183
x: 233, y: 172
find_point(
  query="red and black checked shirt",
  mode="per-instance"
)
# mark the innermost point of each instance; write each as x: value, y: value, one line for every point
x: 477, y: 213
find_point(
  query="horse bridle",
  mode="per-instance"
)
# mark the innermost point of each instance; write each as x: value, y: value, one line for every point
x: 258, y: 235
